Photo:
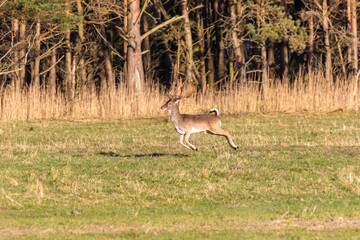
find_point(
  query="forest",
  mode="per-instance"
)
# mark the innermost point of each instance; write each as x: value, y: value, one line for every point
x: 118, y: 58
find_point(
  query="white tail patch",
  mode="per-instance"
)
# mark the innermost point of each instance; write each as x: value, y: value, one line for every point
x: 216, y: 111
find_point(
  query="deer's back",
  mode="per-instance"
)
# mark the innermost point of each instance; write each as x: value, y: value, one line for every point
x: 200, y: 122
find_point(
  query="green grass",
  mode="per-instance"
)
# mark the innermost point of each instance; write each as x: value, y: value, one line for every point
x: 294, y: 177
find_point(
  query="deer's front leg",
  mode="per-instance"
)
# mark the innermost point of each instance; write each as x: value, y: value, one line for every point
x: 187, y: 135
x: 182, y: 141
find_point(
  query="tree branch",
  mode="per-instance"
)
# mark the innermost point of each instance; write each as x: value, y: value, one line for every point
x: 2, y: 4
x: 174, y: 19
x: 45, y: 71
x: 107, y: 42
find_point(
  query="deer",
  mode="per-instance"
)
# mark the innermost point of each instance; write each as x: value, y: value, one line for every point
x: 186, y: 124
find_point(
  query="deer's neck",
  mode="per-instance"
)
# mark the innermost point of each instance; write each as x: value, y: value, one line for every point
x: 175, y: 116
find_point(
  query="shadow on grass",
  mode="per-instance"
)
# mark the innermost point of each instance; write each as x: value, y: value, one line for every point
x: 112, y: 154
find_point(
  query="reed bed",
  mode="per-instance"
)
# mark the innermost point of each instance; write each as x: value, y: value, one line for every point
x: 304, y: 94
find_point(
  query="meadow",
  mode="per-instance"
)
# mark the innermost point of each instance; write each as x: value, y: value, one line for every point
x: 295, y: 176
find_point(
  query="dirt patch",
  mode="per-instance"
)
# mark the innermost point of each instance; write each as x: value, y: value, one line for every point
x: 315, y: 225
x: 17, y: 232
x: 338, y: 223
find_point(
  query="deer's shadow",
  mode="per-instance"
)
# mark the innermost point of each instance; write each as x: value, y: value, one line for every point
x: 113, y: 154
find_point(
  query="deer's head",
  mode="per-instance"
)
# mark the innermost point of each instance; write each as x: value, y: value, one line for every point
x: 179, y: 94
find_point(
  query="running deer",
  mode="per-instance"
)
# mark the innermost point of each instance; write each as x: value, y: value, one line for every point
x: 186, y: 124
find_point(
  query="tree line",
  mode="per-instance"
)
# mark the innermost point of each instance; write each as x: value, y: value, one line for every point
x: 64, y: 45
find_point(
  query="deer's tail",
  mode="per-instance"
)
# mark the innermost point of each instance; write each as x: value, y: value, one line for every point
x: 216, y: 111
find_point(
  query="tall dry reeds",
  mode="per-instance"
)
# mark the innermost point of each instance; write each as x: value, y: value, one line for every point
x: 304, y: 94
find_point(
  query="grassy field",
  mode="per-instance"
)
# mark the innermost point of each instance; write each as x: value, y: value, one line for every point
x: 294, y: 177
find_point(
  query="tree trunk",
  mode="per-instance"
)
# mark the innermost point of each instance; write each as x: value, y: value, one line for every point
x: 210, y: 64
x: 135, y: 70
x: 201, y: 40
x: 237, y: 46
x: 79, y: 45
x: 354, y: 37
x: 210, y: 55
x: 265, y: 79
x: 107, y: 58
x: 157, y: 11
x: 311, y: 46
x: 125, y: 42
x: 110, y: 81
x: 264, y: 68
x: 271, y: 60
x: 36, y: 80
x: 285, y: 59
x: 16, y: 73
x: 349, y: 32
x: 68, y: 88
x: 328, y: 66
x: 240, y: 12
x: 147, y: 55
x: 188, y: 40
x: 52, y: 75
x: 22, y: 54
x: 220, y: 41
x: 354, y: 47
x: 221, y: 59
x: 284, y: 49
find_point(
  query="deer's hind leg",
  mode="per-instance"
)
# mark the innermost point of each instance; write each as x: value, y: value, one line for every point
x: 226, y: 134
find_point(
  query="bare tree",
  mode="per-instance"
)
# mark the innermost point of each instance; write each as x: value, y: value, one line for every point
x: 271, y: 59
x: 188, y: 40
x: 311, y: 45
x: 125, y: 19
x: 219, y: 31
x: 15, y: 63
x: 110, y: 81
x: 68, y: 56
x: 36, y: 81
x: 284, y: 48
x: 79, y: 44
x: 354, y: 37
x: 209, y: 46
x: 135, y: 70
x: 147, y: 54
x: 264, y: 65
x: 237, y: 46
x: 348, y: 28
x: 328, y: 65
x: 52, y: 75
x: 325, y: 11
x: 22, y: 53
x: 201, y: 42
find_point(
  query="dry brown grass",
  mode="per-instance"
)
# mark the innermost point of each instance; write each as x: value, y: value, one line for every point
x: 305, y: 94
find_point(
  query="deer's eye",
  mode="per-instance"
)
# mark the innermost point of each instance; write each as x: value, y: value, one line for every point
x: 170, y: 103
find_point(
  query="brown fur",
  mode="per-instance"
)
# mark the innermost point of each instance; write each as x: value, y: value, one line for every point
x: 186, y: 124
